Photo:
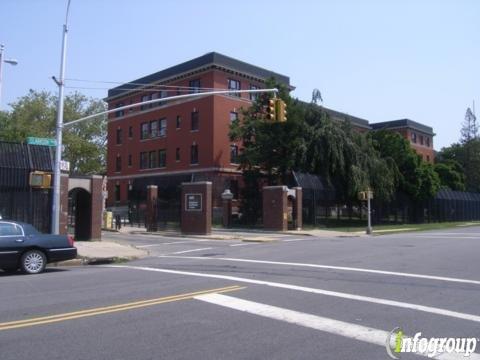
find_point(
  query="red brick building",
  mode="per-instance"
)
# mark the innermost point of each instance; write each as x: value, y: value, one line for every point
x: 420, y: 136
x: 185, y: 140
x: 181, y: 140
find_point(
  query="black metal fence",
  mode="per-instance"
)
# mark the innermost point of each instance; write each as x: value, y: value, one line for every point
x: 19, y: 201
x: 320, y: 206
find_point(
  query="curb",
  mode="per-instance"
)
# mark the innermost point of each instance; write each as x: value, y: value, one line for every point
x: 95, y: 261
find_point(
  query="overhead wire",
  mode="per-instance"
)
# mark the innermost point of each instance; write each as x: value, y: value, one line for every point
x: 146, y: 85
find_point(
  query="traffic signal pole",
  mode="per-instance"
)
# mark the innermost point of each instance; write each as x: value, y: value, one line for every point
x: 60, y: 125
x: 217, y: 92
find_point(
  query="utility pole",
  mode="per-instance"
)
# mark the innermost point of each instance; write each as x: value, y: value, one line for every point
x: 59, y: 129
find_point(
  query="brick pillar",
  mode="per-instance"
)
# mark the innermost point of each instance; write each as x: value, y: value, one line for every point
x: 96, y: 186
x: 63, y: 223
x: 151, y: 215
x: 196, y: 208
x: 298, y: 207
x: 275, y: 208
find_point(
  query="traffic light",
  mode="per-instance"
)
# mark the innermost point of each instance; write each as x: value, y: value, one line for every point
x: 271, y: 116
x: 40, y: 179
x: 281, y: 110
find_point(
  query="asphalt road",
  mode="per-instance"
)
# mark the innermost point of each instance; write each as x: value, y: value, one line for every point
x: 295, y: 298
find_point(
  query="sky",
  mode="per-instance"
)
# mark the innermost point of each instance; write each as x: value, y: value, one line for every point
x: 379, y: 60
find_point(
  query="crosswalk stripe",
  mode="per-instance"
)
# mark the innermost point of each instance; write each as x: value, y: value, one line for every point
x: 368, y: 299
x: 332, y: 267
x: 336, y: 327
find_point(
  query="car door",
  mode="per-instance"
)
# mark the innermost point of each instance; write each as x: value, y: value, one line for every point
x: 12, y: 239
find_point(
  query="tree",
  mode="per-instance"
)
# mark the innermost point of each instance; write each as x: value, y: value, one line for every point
x: 415, y: 177
x: 34, y: 115
x: 451, y: 175
x: 467, y: 155
x: 309, y: 142
x: 470, y: 127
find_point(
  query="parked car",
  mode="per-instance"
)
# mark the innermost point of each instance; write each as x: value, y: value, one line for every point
x: 23, y: 247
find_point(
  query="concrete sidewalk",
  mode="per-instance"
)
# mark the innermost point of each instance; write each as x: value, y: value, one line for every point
x: 103, y: 252
x: 241, y: 234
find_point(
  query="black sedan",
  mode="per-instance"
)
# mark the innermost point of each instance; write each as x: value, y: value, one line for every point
x: 22, y: 246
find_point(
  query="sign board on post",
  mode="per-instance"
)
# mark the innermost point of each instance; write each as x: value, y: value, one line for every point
x: 193, y: 202
x: 41, y: 141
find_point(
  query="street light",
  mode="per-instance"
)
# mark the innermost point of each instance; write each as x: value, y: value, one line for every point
x: 8, y: 61
x: 58, y: 129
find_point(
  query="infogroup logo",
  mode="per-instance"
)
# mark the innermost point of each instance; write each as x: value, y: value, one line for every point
x: 398, y: 343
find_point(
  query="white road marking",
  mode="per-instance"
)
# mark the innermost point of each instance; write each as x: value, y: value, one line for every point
x: 189, y: 251
x: 292, y: 240
x: 368, y: 299
x: 449, y: 236
x: 170, y: 243
x: 241, y: 244
x: 331, y: 267
x: 331, y: 326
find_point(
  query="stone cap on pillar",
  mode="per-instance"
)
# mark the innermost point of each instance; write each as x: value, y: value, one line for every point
x: 283, y: 187
x: 197, y: 182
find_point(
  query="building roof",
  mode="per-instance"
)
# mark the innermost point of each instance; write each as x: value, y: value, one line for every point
x: 340, y: 116
x: 403, y: 123
x: 211, y: 59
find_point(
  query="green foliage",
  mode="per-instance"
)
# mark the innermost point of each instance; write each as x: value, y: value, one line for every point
x: 466, y: 156
x: 35, y: 115
x: 309, y: 142
x: 413, y: 176
x: 451, y: 175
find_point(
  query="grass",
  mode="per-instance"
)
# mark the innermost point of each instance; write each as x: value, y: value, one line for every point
x: 360, y: 226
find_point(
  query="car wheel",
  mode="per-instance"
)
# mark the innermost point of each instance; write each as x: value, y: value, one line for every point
x: 33, y: 262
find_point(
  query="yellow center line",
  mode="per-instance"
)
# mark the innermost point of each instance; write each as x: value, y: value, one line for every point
x: 110, y: 309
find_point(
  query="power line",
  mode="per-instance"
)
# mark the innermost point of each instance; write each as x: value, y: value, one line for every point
x: 159, y: 86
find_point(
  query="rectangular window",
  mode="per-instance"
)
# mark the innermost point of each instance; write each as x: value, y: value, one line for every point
x: 414, y: 138
x: 163, y: 127
x: 194, y: 154
x: 253, y: 96
x: 194, y: 86
x: 144, y: 131
x: 145, y: 98
x: 428, y: 141
x: 428, y: 158
x: 132, y: 109
x: 118, y: 163
x: 117, y: 192
x: 162, y: 158
x: 421, y: 139
x: 234, y: 154
x: 152, y: 159
x: 162, y: 94
x: 119, y: 136
x: 129, y: 160
x: 179, y: 121
x: 177, y: 154
x: 144, y: 160
x: 233, y: 116
x: 195, y: 120
x: 130, y: 132
x: 154, y: 129
x: 234, y: 85
x: 119, y: 113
